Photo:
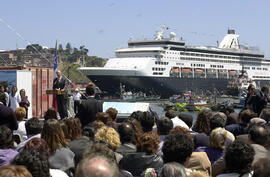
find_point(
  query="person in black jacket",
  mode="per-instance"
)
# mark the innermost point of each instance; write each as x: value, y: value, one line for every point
x: 261, y: 100
x: 89, y: 107
x: 250, y: 94
x: 7, y: 116
x: 60, y: 83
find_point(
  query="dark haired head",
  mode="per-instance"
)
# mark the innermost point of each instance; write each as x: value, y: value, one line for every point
x: 202, y: 123
x: 246, y: 115
x: 64, y: 128
x: 177, y: 148
x: 50, y: 114
x: 239, y: 157
x: 170, y: 114
x: 33, y: 161
x: 74, y: 128
x: 126, y: 132
x: 90, y: 90
x: 39, y: 145
x: 265, y: 114
x: 113, y: 113
x: 218, y: 120
x: 137, y: 115
x: 188, y: 119
x: 147, y: 121
x: 89, y: 131
x: 104, y: 117
x: 14, y: 171
x: 137, y: 128
x: 265, y: 89
x: 262, y: 168
x: 164, y: 125
x: 250, y: 86
x: 259, y: 134
x: 53, y: 134
x: 6, y: 138
x: 33, y: 126
x: 149, y: 143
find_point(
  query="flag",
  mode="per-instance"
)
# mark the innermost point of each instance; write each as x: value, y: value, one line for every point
x: 55, y: 61
x: 55, y: 69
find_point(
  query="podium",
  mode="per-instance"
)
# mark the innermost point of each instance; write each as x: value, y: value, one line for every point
x: 55, y: 92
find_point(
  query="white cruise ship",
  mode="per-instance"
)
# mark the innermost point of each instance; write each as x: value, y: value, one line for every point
x: 166, y: 66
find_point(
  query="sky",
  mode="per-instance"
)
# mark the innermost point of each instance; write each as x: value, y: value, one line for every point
x: 104, y: 25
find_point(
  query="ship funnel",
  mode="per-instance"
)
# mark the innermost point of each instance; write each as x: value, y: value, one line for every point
x: 230, y: 41
x: 231, y: 31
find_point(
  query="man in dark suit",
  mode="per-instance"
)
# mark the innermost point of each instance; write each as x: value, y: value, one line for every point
x: 250, y: 94
x: 60, y: 83
x: 260, y: 100
x: 89, y: 107
x: 7, y: 116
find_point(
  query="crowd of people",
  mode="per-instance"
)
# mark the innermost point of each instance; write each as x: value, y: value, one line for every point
x: 95, y: 143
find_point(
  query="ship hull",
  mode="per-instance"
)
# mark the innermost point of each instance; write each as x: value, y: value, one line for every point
x: 162, y: 86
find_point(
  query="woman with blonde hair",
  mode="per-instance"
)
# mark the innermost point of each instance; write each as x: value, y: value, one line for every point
x: 20, y: 114
x: 216, y: 147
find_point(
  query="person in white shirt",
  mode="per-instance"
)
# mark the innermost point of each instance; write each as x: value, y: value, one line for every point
x: 14, y: 98
x: 76, y: 99
x: 171, y: 114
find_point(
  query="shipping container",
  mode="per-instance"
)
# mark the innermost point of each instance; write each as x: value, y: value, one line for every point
x: 35, y: 81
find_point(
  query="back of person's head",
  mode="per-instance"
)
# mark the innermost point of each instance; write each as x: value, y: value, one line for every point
x: 50, y: 114
x: 97, y: 166
x: 6, y: 138
x: 109, y: 135
x: 100, y: 149
x: 104, y: 117
x: 39, y: 145
x: 164, y: 126
x: 53, y: 134
x: 136, y: 115
x: 179, y: 129
x: 202, y: 123
x: 259, y: 134
x: 218, y: 138
x: 89, y: 131
x: 147, y: 121
x: 177, y: 148
x: 256, y: 121
x: 229, y: 110
x: 33, y: 161
x: 232, y: 118
x: 14, y: 171
x: 20, y: 113
x: 171, y: 114
x: 90, y: 90
x: 33, y: 126
x: 246, y: 115
x: 218, y: 120
x: 64, y: 128
x: 172, y: 169
x: 188, y: 119
x: 198, y: 174
x: 265, y: 114
x: 137, y: 128
x: 98, y: 123
x: 239, y: 157
x: 112, y: 113
x: 262, y: 167
x: 149, y: 143
x: 126, y: 132
x: 265, y: 89
x: 74, y: 128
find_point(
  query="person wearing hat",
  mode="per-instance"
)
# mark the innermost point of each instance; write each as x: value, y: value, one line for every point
x: 76, y: 99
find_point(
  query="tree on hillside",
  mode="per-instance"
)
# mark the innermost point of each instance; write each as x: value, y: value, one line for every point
x: 68, y: 48
x: 60, y: 48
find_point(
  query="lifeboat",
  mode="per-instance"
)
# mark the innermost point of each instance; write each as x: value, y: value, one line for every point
x: 232, y: 72
x: 175, y: 69
x: 186, y: 70
x: 199, y: 70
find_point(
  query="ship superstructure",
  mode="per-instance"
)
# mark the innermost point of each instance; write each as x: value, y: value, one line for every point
x: 166, y: 66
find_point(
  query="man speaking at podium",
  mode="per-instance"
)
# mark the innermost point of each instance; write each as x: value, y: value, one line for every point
x: 60, y: 83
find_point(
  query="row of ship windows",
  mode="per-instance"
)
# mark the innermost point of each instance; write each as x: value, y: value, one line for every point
x: 161, y: 63
x: 157, y: 73
x: 199, y: 65
x: 158, y: 69
x: 254, y: 68
x: 261, y: 76
x: 202, y: 55
x: 216, y: 66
